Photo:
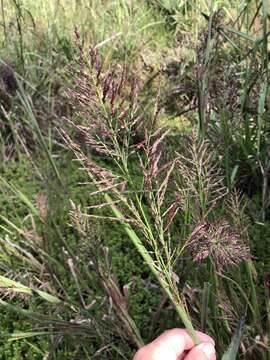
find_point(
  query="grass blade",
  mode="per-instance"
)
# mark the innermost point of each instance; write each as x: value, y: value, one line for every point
x: 36, y: 129
x: 261, y: 105
x: 17, y: 287
x: 232, y: 351
x: 24, y: 199
x: 205, y: 302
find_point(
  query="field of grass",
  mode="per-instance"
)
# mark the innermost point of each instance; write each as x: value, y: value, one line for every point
x: 134, y: 176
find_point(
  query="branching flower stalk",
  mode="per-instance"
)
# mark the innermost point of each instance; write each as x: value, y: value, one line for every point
x: 165, y: 280
x: 107, y: 102
x: 111, y: 127
x: 237, y: 205
x: 160, y: 269
x: 212, y: 235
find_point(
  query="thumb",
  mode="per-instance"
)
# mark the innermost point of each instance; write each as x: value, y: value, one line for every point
x: 205, y: 351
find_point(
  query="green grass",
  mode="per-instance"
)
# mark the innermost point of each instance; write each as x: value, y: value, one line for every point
x: 119, y: 28
x: 51, y: 249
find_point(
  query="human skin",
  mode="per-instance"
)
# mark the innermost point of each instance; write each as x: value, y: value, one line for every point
x: 176, y: 344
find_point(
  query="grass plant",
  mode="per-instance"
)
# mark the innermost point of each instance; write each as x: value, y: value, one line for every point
x: 151, y: 226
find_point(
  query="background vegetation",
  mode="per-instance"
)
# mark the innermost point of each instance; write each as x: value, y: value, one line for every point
x: 73, y: 282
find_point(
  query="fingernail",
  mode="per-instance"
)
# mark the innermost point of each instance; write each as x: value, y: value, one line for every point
x: 208, y: 349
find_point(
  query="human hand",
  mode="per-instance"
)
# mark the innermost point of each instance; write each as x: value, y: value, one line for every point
x: 176, y: 344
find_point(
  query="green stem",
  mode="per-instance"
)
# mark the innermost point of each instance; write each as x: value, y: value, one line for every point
x: 150, y: 262
x: 254, y: 300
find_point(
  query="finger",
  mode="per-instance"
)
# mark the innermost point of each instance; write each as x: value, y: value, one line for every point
x: 176, y: 341
x: 172, y: 343
x: 169, y: 345
x: 181, y: 339
x: 205, y: 351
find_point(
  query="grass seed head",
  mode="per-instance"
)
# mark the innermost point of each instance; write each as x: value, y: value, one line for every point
x: 219, y: 242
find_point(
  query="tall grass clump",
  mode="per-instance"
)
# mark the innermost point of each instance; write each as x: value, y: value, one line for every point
x: 233, y: 93
x: 45, y: 30
x: 38, y: 47
x: 177, y: 212
x: 155, y: 214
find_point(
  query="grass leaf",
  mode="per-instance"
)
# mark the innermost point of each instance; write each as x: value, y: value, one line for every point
x: 232, y: 351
